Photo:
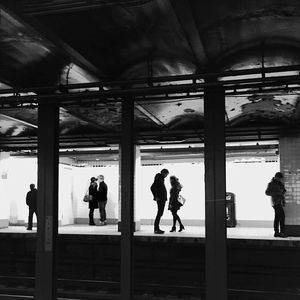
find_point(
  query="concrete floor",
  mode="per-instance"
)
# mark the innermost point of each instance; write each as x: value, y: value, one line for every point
x: 147, y: 230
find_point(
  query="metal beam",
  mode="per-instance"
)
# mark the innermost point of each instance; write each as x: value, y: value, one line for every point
x: 186, y: 19
x: 67, y: 6
x: 14, y: 9
x: 236, y: 87
x: 215, y: 199
x: 127, y: 198
x: 19, y: 120
x: 155, y: 81
x: 46, y: 254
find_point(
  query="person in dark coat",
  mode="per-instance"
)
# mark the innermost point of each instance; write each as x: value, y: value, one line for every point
x: 31, y: 201
x: 277, y: 190
x: 159, y: 192
x: 174, y: 204
x: 102, y: 199
x: 94, y: 202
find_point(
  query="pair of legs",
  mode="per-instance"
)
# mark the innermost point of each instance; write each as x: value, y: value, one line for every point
x: 176, y: 218
x: 91, y: 216
x: 102, y: 205
x: 279, y: 219
x: 30, y: 217
x: 160, y: 211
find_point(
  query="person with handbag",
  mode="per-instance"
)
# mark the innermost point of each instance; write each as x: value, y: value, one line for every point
x: 93, y: 202
x: 174, y: 203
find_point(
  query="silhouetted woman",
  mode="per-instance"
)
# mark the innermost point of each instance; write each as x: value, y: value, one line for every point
x: 174, y: 204
x: 94, y: 202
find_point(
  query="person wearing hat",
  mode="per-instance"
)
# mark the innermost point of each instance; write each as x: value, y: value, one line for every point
x: 94, y: 202
x: 31, y: 201
x: 277, y: 190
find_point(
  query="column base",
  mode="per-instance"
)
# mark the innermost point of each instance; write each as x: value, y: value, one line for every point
x: 292, y: 230
x: 136, y: 226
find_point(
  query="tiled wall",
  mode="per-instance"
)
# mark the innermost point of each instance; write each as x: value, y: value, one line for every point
x: 289, y: 149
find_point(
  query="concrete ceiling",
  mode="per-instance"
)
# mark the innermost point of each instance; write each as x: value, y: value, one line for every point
x: 57, y: 42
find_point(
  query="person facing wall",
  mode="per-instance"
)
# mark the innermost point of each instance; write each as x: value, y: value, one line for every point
x: 277, y: 190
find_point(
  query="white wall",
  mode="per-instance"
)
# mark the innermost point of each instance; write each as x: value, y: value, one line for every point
x: 66, y: 210
x: 247, y: 180
x: 4, y: 189
x: 21, y: 173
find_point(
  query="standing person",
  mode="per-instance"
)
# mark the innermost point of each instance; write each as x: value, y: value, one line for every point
x: 159, y: 192
x: 94, y: 202
x: 174, y: 204
x: 31, y: 201
x: 102, y: 198
x: 277, y: 190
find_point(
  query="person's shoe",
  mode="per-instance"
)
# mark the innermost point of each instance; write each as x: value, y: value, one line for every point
x: 173, y: 229
x: 104, y: 223
x: 158, y: 231
x: 92, y: 223
x: 282, y: 235
x: 276, y: 234
x: 28, y: 228
x: 181, y: 228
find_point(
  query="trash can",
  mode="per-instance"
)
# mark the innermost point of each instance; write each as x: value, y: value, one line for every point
x: 230, y: 210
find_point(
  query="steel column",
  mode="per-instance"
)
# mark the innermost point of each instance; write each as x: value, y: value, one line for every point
x: 215, y: 190
x: 127, y: 197
x: 48, y: 149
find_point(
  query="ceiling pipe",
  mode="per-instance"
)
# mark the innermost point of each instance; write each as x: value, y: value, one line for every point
x: 173, y: 79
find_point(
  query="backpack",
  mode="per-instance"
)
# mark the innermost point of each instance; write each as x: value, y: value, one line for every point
x: 153, y: 189
x: 268, y: 192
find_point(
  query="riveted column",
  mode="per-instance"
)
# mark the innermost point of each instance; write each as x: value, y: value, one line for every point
x: 47, y: 206
x: 215, y: 190
x: 127, y: 197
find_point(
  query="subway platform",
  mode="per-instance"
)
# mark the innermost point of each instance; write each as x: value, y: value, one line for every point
x: 246, y: 234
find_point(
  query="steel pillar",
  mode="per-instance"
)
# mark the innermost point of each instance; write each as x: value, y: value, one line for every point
x: 215, y: 190
x: 127, y: 197
x: 48, y: 149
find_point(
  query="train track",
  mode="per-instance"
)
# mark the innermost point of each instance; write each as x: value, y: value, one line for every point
x: 20, y: 287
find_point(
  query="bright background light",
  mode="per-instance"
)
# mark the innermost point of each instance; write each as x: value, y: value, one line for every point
x: 247, y: 180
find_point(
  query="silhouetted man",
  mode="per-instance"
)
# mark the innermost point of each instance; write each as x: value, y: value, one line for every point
x: 102, y: 198
x: 277, y: 190
x: 159, y: 192
x: 31, y: 201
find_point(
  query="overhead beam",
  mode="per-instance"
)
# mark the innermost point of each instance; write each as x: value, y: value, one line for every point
x: 34, y: 8
x: 19, y: 120
x: 186, y: 19
x: 148, y: 114
x: 15, y: 10
x: 193, y: 86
